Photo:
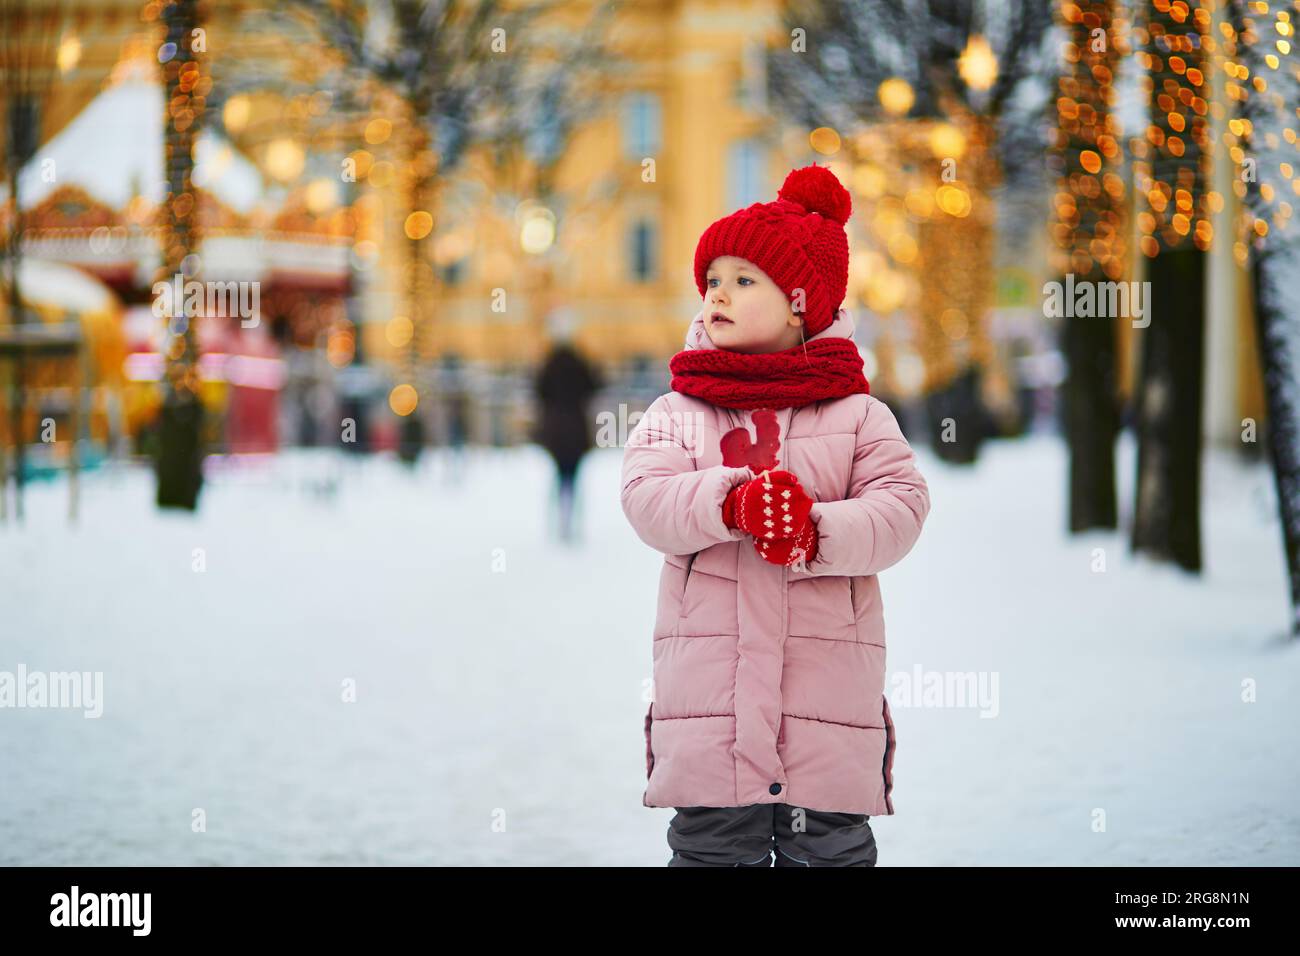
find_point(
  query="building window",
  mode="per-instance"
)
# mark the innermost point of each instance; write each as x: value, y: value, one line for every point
x: 453, y: 273
x: 641, y: 125
x: 751, y: 82
x: 746, y: 174
x: 643, y: 252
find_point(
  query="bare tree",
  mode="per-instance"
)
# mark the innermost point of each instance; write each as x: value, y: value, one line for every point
x: 466, y: 74
x: 1171, y: 167
x: 180, y: 448
x: 1090, y: 233
x: 1274, y: 250
x: 843, y: 51
x: 30, y: 31
x: 275, y: 58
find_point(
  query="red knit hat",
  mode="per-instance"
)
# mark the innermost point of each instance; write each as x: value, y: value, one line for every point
x: 798, y: 241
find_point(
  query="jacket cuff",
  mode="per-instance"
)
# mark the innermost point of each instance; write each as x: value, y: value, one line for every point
x: 732, y: 478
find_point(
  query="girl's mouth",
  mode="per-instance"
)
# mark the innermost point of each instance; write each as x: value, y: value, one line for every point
x: 719, y: 318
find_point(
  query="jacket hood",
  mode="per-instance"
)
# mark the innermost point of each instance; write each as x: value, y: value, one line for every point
x: 697, y: 336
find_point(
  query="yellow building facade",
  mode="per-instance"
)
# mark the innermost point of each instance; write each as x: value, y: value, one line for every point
x: 685, y: 139
x: 684, y: 136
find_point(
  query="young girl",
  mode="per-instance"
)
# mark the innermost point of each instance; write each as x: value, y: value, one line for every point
x: 776, y: 488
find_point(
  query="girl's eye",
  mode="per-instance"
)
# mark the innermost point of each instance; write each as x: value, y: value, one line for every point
x: 747, y: 279
x: 711, y: 281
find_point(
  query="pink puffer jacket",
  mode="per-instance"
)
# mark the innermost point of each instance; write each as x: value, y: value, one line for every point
x: 769, y: 681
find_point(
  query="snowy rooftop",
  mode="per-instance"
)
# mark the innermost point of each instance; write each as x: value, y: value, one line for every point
x: 114, y: 148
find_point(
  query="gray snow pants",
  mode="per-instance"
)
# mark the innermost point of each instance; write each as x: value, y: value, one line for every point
x: 746, y: 836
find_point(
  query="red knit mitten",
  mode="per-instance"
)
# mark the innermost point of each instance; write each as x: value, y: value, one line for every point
x: 788, y: 551
x: 771, y: 506
x: 729, y: 507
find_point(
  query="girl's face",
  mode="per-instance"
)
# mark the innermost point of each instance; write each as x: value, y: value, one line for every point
x: 745, y: 311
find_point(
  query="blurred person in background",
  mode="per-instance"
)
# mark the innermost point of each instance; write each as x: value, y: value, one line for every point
x: 564, y: 387
x: 457, y: 401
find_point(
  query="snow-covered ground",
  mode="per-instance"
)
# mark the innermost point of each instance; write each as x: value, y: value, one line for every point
x: 499, y: 674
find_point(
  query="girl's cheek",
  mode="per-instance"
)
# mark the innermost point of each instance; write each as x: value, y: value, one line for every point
x: 754, y: 313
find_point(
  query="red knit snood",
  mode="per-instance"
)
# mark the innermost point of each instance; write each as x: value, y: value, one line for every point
x: 820, y: 369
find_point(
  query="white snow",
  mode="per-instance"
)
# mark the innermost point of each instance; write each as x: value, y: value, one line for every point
x: 499, y: 675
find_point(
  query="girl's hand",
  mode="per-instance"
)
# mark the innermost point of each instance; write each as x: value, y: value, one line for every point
x: 771, y: 507
x: 799, y: 550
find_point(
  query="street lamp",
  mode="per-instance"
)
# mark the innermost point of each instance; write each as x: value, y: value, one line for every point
x: 538, y: 231
x: 896, y: 96
x: 977, y: 65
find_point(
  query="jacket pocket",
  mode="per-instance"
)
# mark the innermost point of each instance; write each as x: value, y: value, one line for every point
x: 672, y: 589
x: 867, y: 609
x: 709, y: 605
x: 649, y: 754
x: 681, y: 596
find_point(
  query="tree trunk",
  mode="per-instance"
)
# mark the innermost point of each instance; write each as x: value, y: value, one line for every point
x: 180, y: 472
x: 1274, y: 273
x: 958, y: 421
x: 1091, y: 418
x: 1167, y: 521
x: 1275, y: 264
x: 957, y: 293
x: 24, y: 137
x: 1090, y: 245
x: 354, y: 399
x: 419, y: 289
x: 180, y: 455
x: 1171, y: 178
x: 17, y: 394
